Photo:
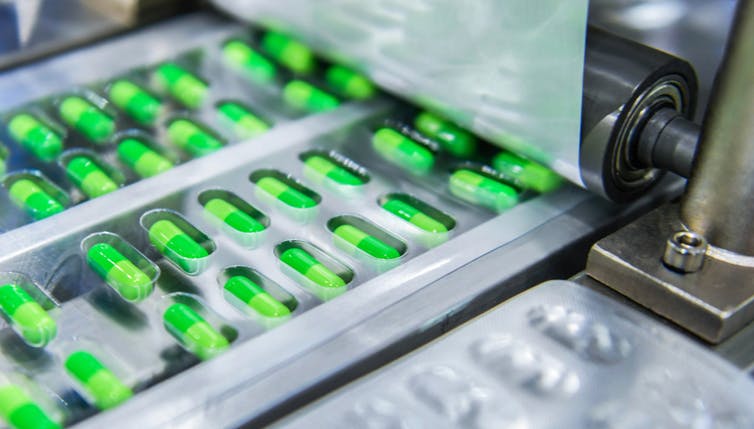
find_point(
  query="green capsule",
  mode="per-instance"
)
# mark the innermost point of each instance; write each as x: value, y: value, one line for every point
x: 140, y: 105
x: 285, y: 193
x: 482, y: 190
x: 326, y: 167
x: 530, y: 174
x: 308, y: 266
x: 371, y: 245
x: 20, y: 412
x: 119, y: 272
x: 403, y: 151
x: 305, y: 96
x: 245, y: 124
x: 104, y: 387
x: 289, y: 52
x: 36, y: 137
x: 142, y: 159
x: 413, y: 215
x: 33, y: 323
x: 349, y: 83
x: 198, y: 336
x: 183, y: 86
x: 37, y: 203
x: 243, y: 57
x: 256, y: 298
x: 192, y: 138
x: 89, y: 177
x: 233, y: 216
x: 172, y: 242
x: 455, y: 140
x: 86, y: 118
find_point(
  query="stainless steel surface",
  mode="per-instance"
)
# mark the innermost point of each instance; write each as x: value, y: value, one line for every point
x: 685, y: 251
x: 718, y: 203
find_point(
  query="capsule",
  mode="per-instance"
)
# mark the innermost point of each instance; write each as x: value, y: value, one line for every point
x: 245, y: 58
x: 37, y: 203
x: 20, y: 412
x: 35, y: 136
x: 330, y: 169
x: 33, y: 323
x: 104, y: 387
x: 305, y: 96
x: 172, y: 242
x: 530, y: 174
x: 413, y: 215
x: 308, y: 266
x: 142, y: 159
x: 371, y: 245
x: 289, y: 52
x: 245, y: 123
x: 87, y: 118
x: 233, y: 216
x: 256, y: 298
x: 285, y: 193
x: 402, y: 151
x: 89, y: 177
x: 455, y: 140
x: 119, y: 272
x: 349, y: 83
x: 198, y: 336
x: 140, y: 105
x: 479, y: 189
x: 183, y: 86
x: 192, y: 138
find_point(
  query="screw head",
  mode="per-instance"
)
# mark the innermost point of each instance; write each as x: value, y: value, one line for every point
x: 684, y: 252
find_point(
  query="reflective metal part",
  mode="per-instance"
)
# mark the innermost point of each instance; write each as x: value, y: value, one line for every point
x: 684, y: 252
x: 668, y: 142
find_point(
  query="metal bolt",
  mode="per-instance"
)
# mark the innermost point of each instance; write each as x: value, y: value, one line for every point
x: 684, y: 252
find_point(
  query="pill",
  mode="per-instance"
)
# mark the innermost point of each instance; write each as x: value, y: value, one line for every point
x: 192, y: 138
x: 285, y: 193
x: 37, y: 203
x: 455, y: 140
x: 332, y: 170
x: 289, y: 52
x: 415, y: 216
x: 305, y: 96
x: 530, y: 174
x: 89, y: 177
x: 191, y: 330
x: 119, y: 272
x: 142, y: 159
x: 233, y: 216
x: 402, y: 151
x: 20, y: 412
x: 245, y: 58
x: 308, y: 266
x: 35, y: 136
x: 482, y: 190
x: 245, y: 123
x: 349, y: 83
x: 32, y: 321
x: 255, y: 297
x: 172, y: 242
x: 140, y: 105
x: 104, y: 387
x: 183, y: 86
x: 371, y: 245
x: 87, y: 118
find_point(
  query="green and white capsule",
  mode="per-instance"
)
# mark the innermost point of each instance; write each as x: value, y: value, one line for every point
x: 315, y: 271
x: 119, y: 272
x: 289, y: 52
x: 193, y: 332
x: 453, y: 139
x: 242, y: 57
x: 245, y: 123
x: 326, y: 167
x: 479, y: 189
x: 365, y: 242
x: 349, y: 83
x: 182, y: 85
x: 35, y: 136
x: 307, y: 97
x: 20, y: 412
x: 142, y: 159
x: 530, y: 174
x: 100, y: 384
x: 192, y: 138
x: 139, y: 104
x: 414, y: 215
x: 3, y: 159
x: 176, y: 245
x: 403, y: 151
x: 35, y: 201
x: 27, y: 317
x: 255, y: 298
x: 235, y: 218
x: 86, y: 118
x: 88, y: 176
x: 285, y: 193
